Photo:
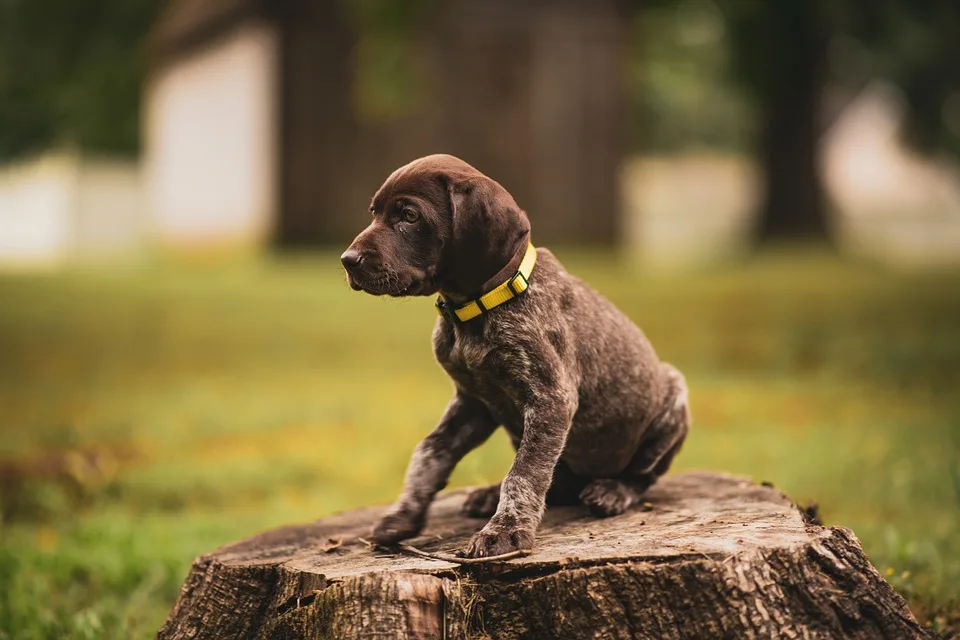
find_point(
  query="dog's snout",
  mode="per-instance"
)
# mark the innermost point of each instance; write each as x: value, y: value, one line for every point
x: 351, y: 258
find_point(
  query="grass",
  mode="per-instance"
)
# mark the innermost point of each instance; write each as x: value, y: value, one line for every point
x: 149, y: 415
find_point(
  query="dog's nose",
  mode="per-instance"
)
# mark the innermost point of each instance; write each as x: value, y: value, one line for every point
x: 351, y: 258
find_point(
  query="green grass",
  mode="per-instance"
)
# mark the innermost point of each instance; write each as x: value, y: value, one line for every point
x: 150, y: 415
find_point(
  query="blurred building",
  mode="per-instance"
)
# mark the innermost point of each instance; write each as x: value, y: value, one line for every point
x: 63, y: 207
x: 894, y: 205
x: 280, y: 119
x: 888, y: 203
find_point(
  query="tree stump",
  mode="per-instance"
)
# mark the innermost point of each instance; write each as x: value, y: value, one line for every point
x: 708, y: 556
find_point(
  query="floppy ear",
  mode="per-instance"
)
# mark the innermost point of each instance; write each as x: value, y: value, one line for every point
x: 488, y: 230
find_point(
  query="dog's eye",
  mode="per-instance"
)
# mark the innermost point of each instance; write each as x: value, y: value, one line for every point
x: 411, y: 215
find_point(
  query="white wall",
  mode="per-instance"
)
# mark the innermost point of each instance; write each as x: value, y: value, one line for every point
x: 35, y: 211
x: 210, y: 141
x: 110, y: 205
x: 895, y: 206
x: 63, y: 207
x: 688, y: 209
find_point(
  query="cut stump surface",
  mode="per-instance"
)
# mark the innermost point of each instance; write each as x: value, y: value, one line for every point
x: 708, y: 556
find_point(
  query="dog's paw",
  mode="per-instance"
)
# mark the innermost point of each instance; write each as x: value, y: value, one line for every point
x: 483, y: 502
x: 496, y: 540
x: 395, y: 526
x: 607, y: 497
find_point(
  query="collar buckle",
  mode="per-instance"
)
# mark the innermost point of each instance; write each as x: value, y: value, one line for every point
x: 513, y: 283
x: 446, y: 310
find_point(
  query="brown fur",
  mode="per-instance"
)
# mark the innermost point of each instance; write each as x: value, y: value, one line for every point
x: 595, y: 417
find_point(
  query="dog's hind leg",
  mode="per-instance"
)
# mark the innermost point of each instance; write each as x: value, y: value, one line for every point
x: 665, y: 436
x: 482, y: 502
x: 565, y: 487
x: 660, y: 444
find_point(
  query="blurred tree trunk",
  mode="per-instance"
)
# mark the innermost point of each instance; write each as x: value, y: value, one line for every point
x: 319, y: 198
x: 780, y: 53
x: 793, y: 205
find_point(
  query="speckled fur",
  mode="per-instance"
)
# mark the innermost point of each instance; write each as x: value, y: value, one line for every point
x: 593, y: 413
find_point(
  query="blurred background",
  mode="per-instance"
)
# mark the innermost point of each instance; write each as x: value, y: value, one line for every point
x: 770, y: 189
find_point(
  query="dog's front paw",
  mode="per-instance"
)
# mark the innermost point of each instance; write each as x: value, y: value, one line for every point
x: 495, y: 540
x: 607, y: 497
x: 396, y: 525
x: 483, y: 502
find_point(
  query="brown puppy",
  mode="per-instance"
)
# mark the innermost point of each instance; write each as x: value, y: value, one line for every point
x: 594, y: 416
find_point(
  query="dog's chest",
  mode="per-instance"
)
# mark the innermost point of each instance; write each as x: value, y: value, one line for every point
x: 466, y: 359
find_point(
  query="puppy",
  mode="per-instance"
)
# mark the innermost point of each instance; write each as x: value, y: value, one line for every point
x: 594, y: 416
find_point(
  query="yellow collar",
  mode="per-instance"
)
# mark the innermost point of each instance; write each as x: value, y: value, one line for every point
x: 517, y: 284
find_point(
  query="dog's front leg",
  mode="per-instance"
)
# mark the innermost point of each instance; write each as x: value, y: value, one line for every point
x: 465, y: 425
x: 524, y: 489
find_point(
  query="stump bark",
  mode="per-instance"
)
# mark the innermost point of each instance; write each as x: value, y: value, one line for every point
x: 708, y: 556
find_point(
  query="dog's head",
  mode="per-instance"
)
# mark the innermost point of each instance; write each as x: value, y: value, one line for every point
x: 438, y: 225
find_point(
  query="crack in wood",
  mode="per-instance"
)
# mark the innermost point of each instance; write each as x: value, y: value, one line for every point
x: 296, y: 602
